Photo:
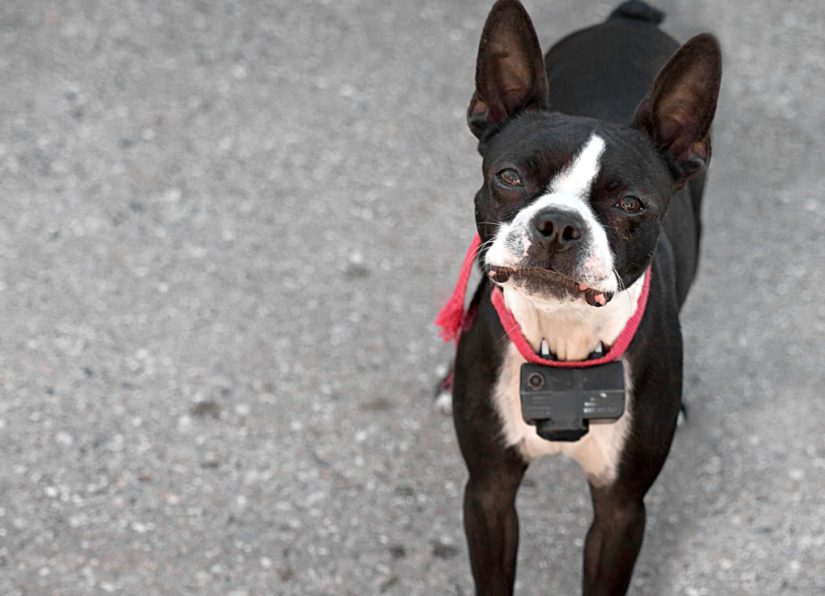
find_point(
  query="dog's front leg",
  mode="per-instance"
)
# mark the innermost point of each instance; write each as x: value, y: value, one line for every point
x: 613, y: 541
x: 615, y: 536
x: 491, y: 524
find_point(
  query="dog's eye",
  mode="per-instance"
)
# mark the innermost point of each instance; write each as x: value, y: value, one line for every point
x: 630, y: 204
x: 509, y: 177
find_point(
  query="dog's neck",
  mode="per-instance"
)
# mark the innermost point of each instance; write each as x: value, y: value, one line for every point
x: 572, y: 330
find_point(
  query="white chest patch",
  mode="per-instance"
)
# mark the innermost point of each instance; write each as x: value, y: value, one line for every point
x: 572, y: 334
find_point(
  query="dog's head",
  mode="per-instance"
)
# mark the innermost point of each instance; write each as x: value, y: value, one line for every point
x: 570, y: 208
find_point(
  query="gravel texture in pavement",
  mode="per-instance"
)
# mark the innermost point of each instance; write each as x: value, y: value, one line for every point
x: 226, y: 228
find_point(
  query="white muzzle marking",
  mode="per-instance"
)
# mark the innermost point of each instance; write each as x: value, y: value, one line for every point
x: 568, y: 191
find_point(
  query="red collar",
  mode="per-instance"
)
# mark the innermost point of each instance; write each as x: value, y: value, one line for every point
x: 451, y: 319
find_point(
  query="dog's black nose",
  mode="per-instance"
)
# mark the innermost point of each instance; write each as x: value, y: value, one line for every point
x: 560, y: 228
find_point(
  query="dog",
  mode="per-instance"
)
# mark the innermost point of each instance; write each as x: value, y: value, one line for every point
x: 588, y: 225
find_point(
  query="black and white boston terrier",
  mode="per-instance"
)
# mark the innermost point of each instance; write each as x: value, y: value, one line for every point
x: 588, y: 226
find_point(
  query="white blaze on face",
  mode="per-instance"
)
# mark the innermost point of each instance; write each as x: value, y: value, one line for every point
x: 577, y: 178
x: 568, y: 191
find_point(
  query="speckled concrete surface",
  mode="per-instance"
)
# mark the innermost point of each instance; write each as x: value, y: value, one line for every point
x: 226, y: 227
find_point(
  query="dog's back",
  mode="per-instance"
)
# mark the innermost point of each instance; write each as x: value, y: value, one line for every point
x: 605, y: 70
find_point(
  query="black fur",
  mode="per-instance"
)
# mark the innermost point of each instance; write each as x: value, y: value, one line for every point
x: 656, y: 130
x: 641, y: 11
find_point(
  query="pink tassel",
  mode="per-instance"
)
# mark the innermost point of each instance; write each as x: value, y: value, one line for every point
x: 451, y: 317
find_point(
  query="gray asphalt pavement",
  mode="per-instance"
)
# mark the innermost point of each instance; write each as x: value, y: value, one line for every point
x: 225, y: 230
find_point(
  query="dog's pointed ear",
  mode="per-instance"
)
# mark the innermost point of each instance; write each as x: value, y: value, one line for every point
x: 510, y: 73
x: 678, y: 110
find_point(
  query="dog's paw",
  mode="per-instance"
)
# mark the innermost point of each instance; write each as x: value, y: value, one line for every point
x: 444, y: 390
x: 444, y: 402
x: 681, y: 420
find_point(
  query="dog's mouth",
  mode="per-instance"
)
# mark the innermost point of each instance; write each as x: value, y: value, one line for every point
x: 537, y: 278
